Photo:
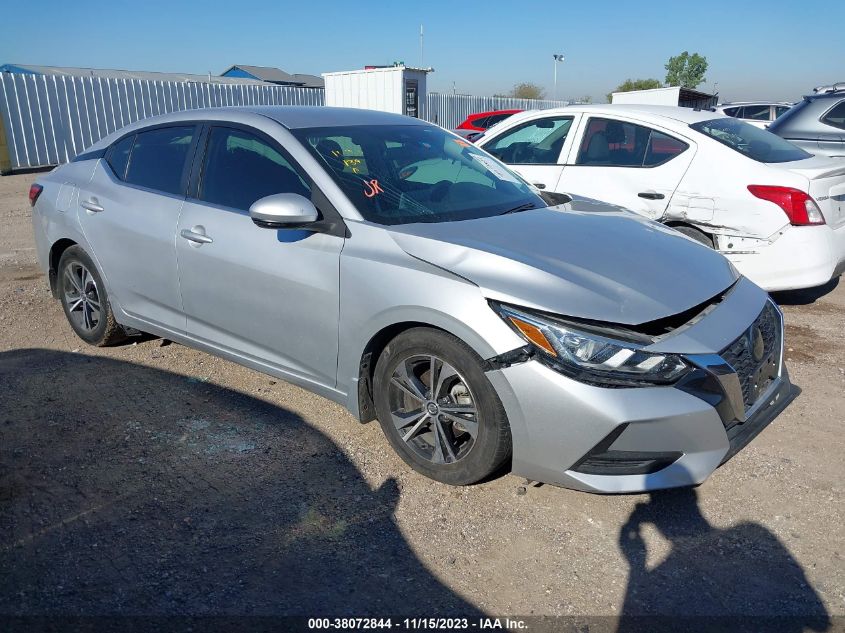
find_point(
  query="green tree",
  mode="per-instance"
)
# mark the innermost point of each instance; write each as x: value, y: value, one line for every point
x: 686, y: 70
x: 634, y: 84
x: 527, y: 91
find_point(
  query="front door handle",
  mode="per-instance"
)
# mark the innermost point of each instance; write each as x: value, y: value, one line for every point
x: 651, y: 195
x: 92, y: 205
x: 195, y: 236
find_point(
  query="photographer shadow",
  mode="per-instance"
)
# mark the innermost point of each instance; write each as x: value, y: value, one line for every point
x: 127, y: 490
x: 738, y: 578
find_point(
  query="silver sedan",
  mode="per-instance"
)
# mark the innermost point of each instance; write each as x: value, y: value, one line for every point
x: 397, y: 269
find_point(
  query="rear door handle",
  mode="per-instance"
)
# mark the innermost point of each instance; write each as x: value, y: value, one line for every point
x: 197, y: 238
x: 92, y: 205
x: 651, y: 195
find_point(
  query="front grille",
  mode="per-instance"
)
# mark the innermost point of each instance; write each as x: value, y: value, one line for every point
x: 755, y: 355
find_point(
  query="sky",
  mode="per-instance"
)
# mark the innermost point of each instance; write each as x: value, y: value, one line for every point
x: 779, y: 51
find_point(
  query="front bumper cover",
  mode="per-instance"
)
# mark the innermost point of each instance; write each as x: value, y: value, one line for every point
x: 636, y: 439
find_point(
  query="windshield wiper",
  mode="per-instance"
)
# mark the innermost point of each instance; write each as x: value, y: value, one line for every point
x: 523, y: 207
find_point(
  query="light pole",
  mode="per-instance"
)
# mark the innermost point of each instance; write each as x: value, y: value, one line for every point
x: 557, y: 58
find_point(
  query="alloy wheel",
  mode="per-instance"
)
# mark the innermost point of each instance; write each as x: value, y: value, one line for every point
x: 433, y: 409
x: 82, y: 297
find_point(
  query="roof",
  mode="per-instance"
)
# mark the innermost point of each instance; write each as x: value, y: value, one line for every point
x: 295, y: 117
x: 278, y: 76
x: 291, y: 117
x: 653, y: 113
x: 123, y: 74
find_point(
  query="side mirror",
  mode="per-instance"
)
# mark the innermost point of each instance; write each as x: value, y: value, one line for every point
x: 283, y: 211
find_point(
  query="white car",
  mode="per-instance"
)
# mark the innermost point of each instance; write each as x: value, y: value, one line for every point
x: 759, y: 113
x: 776, y: 211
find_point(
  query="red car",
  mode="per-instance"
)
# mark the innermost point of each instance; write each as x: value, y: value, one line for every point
x: 481, y: 121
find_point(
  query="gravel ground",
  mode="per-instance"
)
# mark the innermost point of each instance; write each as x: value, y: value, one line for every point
x: 154, y: 479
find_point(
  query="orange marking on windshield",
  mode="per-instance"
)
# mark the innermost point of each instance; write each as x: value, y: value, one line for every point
x: 372, y: 188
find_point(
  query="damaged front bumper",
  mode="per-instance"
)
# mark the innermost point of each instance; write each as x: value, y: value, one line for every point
x: 619, y: 440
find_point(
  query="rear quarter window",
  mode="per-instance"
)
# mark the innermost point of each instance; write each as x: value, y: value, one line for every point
x: 118, y: 155
x: 836, y: 116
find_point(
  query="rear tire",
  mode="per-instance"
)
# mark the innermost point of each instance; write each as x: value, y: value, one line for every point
x: 437, y: 408
x: 85, y: 300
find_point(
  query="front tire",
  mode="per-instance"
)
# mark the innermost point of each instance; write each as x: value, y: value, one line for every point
x: 437, y: 408
x: 85, y: 300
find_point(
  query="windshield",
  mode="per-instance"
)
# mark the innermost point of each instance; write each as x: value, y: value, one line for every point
x: 397, y: 174
x: 747, y: 139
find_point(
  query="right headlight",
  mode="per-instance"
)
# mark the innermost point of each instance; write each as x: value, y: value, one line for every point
x: 591, y: 357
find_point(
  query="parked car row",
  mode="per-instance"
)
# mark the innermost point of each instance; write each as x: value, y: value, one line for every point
x: 759, y: 113
x: 775, y: 210
x: 409, y: 275
x: 817, y: 122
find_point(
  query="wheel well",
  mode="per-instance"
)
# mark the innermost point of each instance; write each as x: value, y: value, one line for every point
x: 676, y: 224
x: 369, y: 358
x: 56, y: 252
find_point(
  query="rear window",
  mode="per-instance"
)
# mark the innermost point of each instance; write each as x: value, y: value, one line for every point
x: 756, y: 112
x: 758, y: 144
x: 836, y: 116
x: 496, y: 118
x: 158, y: 158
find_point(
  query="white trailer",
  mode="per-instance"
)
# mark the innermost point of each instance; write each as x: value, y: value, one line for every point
x: 396, y: 89
x: 671, y: 96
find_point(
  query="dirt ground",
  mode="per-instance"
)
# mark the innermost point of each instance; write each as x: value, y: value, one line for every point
x: 154, y: 479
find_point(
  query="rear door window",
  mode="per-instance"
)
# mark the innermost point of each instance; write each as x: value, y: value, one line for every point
x: 537, y: 142
x: 780, y: 110
x: 158, y: 159
x: 732, y: 111
x: 612, y: 143
x: 662, y: 148
x: 240, y: 168
x: 836, y: 116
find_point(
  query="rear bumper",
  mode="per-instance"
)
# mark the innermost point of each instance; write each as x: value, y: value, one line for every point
x: 802, y: 257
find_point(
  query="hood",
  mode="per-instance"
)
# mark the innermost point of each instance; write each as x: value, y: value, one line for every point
x: 584, y: 259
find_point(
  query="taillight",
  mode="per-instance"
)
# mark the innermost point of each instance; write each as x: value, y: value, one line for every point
x: 800, y: 208
x: 34, y: 191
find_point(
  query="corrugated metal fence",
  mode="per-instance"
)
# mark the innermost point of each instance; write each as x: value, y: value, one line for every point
x: 50, y: 119
x: 450, y: 110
